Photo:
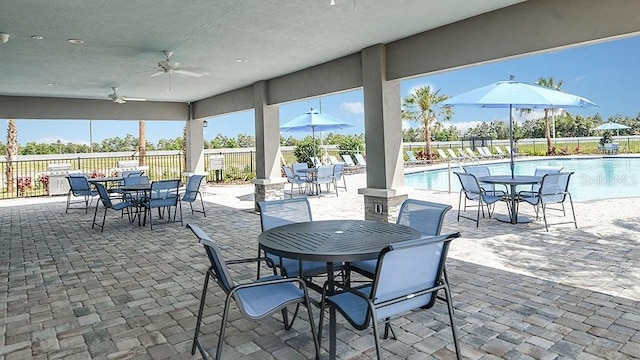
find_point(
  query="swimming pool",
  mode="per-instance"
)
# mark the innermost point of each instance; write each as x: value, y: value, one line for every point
x: 594, y: 178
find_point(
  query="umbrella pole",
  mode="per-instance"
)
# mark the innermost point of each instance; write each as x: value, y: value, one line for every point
x: 511, y: 138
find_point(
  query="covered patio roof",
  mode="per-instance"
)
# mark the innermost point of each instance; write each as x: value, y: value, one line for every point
x: 302, y: 48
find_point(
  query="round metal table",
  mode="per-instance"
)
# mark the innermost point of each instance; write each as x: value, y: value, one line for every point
x: 512, y: 182
x: 334, y: 241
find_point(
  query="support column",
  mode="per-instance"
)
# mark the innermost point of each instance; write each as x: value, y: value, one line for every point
x: 383, y: 138
x: 269, y: 183
x: 195, y: 146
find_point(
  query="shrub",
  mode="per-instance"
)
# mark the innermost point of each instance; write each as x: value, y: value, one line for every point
x: 305, y: 150
x: 44, y: 181
x: 351, y: 144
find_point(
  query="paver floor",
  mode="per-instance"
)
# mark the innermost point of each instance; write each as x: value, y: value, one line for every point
x: 70, y: 292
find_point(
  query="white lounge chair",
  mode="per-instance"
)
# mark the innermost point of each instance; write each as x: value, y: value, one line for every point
x: 334, y: 160
x: 488, y: 152
x: 413, y: 159
x: 454, y: 156
x: 360, y: 159
x: 499, y: 151
x: 469, y: 152
x: 348, y: 160
x: 515, y: 152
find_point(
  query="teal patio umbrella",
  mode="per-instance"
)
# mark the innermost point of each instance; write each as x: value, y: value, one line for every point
x: 513, y: 94
x: 314, y: 121
x: 611, y: 126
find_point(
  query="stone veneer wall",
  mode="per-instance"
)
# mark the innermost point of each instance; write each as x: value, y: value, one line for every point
x: 390, y: 208
x: 268, y: 192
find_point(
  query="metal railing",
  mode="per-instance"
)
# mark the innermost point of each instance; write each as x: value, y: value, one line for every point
x: 30, y: 172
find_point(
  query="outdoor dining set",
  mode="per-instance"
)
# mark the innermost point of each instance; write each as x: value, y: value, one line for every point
x: 546, y: 187
x: 370, y: 272
x: 310, y: 179
x: 134, y: 195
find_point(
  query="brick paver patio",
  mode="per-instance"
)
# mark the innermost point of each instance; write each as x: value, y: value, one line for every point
x: 70, y: 292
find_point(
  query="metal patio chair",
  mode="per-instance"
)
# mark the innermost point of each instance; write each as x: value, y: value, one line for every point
x: 408, y: 277
x: 192, y: 192
x: 282, y: 212
x: 324, y: 176
x: 424, y: 216
x: 162, y: 196
x: 338, y: 175
x: 554, y: 189
x: 79, y: 187
x: 471, y: 190
x: 255, y: 300
x: 294, y: 179
x: 108, y: 203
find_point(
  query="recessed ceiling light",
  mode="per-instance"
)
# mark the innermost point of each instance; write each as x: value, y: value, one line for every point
x: 52, y: 84
x: 37, y: 37
x: 75, y: 41
x: 241, y: 60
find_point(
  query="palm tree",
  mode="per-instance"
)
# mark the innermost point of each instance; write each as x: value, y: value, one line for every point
x: 12, y: 151
x: 142, y: 143
x: 421, y: 105
x: 549, y: 83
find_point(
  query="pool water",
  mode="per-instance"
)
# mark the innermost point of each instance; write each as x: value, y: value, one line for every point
x: 594, y: 179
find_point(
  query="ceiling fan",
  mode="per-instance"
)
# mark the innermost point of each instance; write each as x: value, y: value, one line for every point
x: 168, y: 66
x: 119, y: 99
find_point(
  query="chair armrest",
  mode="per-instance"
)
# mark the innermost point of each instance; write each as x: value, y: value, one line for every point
x: 527, y: 193
x: 250, y: 260
x: 345, y: 288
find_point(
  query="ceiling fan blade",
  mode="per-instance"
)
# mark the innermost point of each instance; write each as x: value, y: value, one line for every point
x: 134, y: 99
x: 188, y: 73
x: 161, y: 72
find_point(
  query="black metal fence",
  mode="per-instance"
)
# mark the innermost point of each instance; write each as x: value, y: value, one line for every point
x: 30, y: 175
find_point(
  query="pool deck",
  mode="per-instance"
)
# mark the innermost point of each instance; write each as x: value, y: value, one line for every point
x: 520, y: 292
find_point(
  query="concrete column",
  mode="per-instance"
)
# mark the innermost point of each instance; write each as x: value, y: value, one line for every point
x: 269, y: 184
x: 383, y: 137
x: 195, y: 146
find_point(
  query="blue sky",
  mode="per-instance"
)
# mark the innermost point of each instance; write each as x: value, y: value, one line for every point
x: 605, y: 73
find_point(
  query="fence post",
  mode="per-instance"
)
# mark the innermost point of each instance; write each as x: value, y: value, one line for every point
x: 251, y: 160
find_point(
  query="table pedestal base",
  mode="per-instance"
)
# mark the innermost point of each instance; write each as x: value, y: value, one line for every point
x: 521, y: 219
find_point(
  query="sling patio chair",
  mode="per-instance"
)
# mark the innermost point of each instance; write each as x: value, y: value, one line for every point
x: 554, y: 189
x: 334, y: 160
x: 163, y: 196
x: 192, y: 192
x: 276, y: 213
x: 471, y: 190
x: 294, y: 179
x: 542, y: 171
x: 500, y: 152
x: 79, y: 187
x: 424, y: 216
x: 338, y: 175
x: 324, y: 176
x: 255, y: 300
x: 108, y: 203
x: 408, y: 276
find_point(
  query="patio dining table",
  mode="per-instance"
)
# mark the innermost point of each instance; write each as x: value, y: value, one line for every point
x: 138, y: 191
x: 333, y: 241
x: 512, y: 183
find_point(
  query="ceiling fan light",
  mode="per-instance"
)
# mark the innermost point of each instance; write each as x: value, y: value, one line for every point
x: 332, y: 2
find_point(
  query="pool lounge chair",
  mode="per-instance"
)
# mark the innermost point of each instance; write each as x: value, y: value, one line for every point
x: 348, y: 160
x: 469, y: 152
x: 413, y: 159
x: 334, y: 160
x: 500, y: 152
x: 488, y: 152
x: 515, y: 152
x: 360, y: 159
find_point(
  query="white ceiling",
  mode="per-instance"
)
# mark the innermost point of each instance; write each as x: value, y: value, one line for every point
x: 124, y: 40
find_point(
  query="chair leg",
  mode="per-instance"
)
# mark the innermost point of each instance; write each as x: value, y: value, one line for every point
x: 285, y: 317
x: 316, y: 343
x: 104, y: 217
x: 575, y: 223
x: 376, y: 338
x: 68, y: 202
x: 478, y: 213
x: 200, y: 310
x: 454, y: 329
x: 544, y: 216
x: 459, y: 203
x: 204, y: 212
x: 225, y: 315
x: 95, y: 214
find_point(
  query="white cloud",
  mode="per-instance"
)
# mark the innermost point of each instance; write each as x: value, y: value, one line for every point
x: 419, y: 86
x: 353, y: 107
x: 464, y: 125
